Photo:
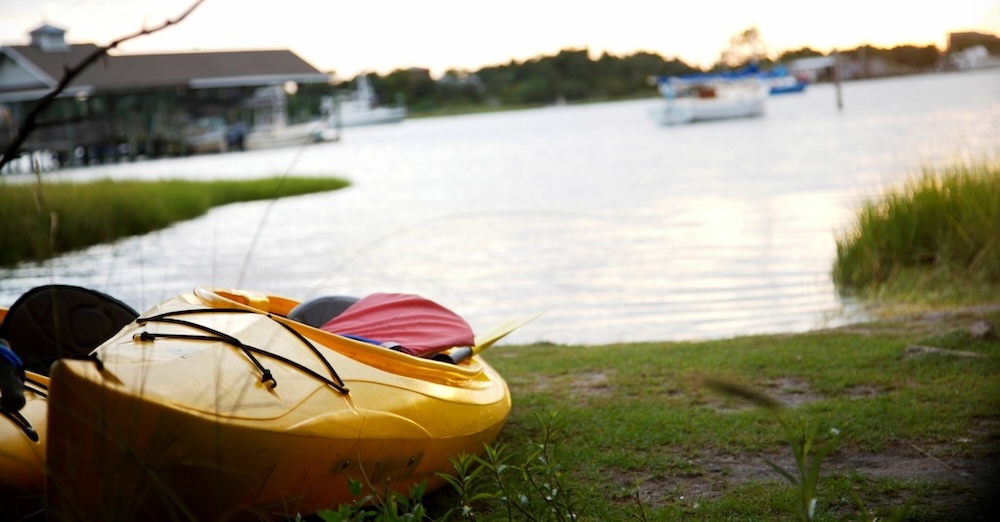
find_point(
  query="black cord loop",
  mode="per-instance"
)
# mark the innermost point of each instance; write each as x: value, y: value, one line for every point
x: 21, y: 422
x: 334, y: 381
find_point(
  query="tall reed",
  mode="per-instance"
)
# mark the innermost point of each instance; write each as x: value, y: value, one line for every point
x: 39, y: 221
x: 940, y: 228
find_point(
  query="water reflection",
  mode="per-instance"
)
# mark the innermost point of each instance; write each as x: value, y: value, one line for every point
x: 619, y: 229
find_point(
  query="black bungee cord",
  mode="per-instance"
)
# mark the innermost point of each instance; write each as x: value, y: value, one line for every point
x: 334, y: 382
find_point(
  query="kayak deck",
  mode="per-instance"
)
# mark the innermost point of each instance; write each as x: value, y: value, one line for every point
x: 180, y: 420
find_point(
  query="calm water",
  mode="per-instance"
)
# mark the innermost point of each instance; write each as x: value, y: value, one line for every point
x: 619, y: 229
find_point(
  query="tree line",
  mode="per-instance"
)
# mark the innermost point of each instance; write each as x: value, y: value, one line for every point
x: 572, y: 76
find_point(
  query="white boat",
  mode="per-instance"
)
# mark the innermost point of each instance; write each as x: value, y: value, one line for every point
x: 269, y: 137
x: 786, y: 84
x: 781, y: 81
x: 711, y: 97
x: 270, y: 127
x: 361, y: 107
x: 205, y: 135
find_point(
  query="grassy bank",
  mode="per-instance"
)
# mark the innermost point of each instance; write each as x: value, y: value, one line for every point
x: 40, y: 221
x: 638, y: 421
x: 897, y: 418
x: 934, y: 241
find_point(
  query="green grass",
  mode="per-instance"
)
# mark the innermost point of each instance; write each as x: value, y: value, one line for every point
x: 933, y: 241
x: 641, y: 431
x: 640, y: 417
x: 39, y: 221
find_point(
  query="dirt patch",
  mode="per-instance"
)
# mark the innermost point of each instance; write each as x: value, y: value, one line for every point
x: 579, y: 386
x: 591, y: 384
x: 792, y: 392
x: 923, y: 322
x: 969, y: 477
x: 714, y: 474
x: 538, y: 383
x: 864, y: 391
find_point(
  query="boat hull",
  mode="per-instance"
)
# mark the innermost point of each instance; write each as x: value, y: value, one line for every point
x: 788, y: 89
x: 374, y: 116
x: 679, y: 113
x: 712, y: 97
x: 288, y: 136
x: 360, y: 108
x: 173, y: 428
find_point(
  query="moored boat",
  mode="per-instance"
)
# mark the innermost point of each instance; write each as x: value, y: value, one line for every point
x: 270, y: 127
x: 781, y: 81
x: 361, y: 107
x: 705, y: 97
x: 216, y: 405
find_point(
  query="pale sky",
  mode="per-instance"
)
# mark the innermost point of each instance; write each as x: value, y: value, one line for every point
x: 383, y: 35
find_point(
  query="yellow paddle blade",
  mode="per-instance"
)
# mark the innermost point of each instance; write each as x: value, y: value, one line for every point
x: 487, y: 339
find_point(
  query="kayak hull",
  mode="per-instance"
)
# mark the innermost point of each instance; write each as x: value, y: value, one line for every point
x: 177, y: 428
x: 22, y: 454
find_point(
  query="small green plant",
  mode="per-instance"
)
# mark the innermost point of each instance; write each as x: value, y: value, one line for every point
x: 535, y: 488
x: 465, y: 482
x: 809, y: 450
x: 641, y: 515
x: 809, y: 447
x: 390, y: 507
x: 532, y: 489
x: 868, y: 516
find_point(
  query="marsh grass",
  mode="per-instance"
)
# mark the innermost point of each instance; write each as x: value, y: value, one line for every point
x: 932, y: 241
x: 38, y: 221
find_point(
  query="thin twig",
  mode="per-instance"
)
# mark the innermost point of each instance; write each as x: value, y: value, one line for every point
x: 935, y: 459
x: 31, y: 119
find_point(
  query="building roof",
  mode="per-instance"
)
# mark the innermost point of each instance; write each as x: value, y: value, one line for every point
x: 27, y: 72
x: 48, y: 29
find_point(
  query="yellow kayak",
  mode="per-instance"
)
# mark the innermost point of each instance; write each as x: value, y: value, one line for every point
x: 215, y: 406
x: 45, y: 323
x: 22, y: 452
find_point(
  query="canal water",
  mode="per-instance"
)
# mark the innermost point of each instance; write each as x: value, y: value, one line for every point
x: 617, y: 228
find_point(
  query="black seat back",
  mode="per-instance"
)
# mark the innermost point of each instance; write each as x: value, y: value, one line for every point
x: 316, y: 312
x: 61, y: 321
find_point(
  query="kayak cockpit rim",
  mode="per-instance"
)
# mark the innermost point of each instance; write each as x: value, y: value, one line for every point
x: 277, y: 308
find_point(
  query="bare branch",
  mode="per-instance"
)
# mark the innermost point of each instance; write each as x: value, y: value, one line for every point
x: 31, y: 119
